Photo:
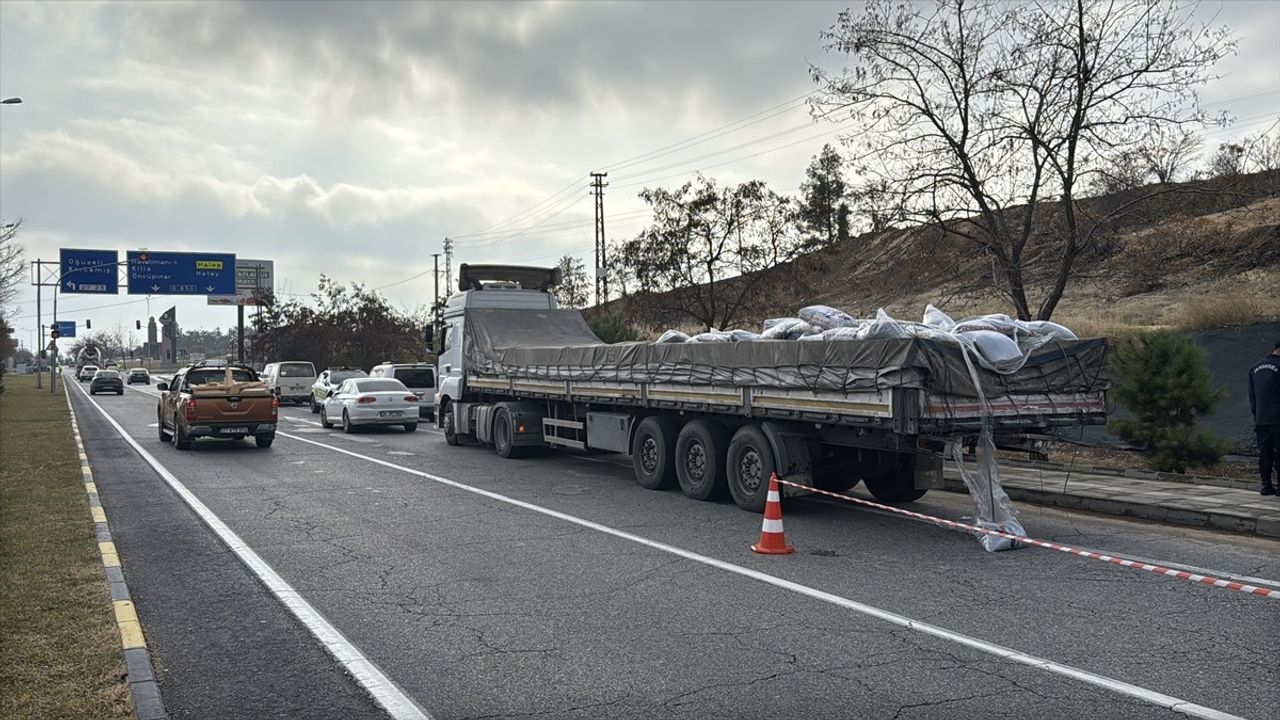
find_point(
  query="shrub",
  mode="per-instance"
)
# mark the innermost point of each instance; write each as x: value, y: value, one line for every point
x: 611, y: 328
x: 1163, y: 379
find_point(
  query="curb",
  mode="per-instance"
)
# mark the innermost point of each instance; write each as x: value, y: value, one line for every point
x: 1264, y: 526
x: 143, y: 689
x: 1137, y: 473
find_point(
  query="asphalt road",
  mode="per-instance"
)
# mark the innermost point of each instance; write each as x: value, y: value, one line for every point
x: 569, y: 591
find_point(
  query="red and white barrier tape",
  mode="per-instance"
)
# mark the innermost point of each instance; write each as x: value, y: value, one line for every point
x: 951, y: 524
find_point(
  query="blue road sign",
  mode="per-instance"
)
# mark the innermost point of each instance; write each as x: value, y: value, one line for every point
x: 66, y: 328
x: 88, y: 271
x: 177, y: 273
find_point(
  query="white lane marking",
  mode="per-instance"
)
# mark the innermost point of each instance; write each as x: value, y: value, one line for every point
x: 383, y: 690
x: 1123, y: 688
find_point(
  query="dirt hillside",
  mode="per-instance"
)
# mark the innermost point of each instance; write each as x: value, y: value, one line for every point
x: 1195, y: 255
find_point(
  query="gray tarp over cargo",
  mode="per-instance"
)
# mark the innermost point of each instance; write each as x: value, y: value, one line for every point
x: 558, y: 345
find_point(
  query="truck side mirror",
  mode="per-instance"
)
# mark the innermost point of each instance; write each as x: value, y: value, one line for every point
x: 429, y: 335
x: 163, y: 387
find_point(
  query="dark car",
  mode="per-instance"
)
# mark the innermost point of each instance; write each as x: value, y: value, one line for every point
x: 106, y: 381
x: 138, y: 375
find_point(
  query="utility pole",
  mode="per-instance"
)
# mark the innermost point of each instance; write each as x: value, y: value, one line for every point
x: 39, y: 323
x: 602, y: 263
x: 448, y: 266
x: 435, y: 297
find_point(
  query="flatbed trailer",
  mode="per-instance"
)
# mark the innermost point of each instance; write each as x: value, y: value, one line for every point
x: 518, y: 374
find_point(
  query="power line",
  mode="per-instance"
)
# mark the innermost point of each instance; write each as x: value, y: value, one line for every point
x: 524, y: 212
x: 726, y: 129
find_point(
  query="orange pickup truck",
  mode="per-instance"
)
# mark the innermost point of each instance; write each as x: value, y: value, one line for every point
x: 219, y: 402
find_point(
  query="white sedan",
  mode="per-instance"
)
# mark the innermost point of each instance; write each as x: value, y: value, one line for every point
x: 370, y: 401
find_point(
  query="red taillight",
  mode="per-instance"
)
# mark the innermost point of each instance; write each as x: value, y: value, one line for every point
x: 366, y: 399
x: 275, y: 407
x: 190, y: 410
x: 411, y: 398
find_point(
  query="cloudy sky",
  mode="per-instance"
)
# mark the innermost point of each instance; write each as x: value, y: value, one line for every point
x: 351, y: 138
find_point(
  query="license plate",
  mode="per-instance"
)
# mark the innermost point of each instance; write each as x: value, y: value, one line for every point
x: 234, y: 430
x: 390, y: 413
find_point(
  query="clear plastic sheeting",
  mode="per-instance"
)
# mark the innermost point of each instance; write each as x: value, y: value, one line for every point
x: 672, y: 336
x: 824, y: 317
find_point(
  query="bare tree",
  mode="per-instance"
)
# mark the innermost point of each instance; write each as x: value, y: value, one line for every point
x: 973, y: 113
x: 12, y: 268
x: 1262, y: 151
x: 1170, y: 152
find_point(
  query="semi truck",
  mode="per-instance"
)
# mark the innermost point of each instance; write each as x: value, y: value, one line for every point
x: 519, y: 374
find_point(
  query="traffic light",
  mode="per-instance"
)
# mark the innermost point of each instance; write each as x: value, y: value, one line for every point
x: 137, y: 324
x: 87, y: 324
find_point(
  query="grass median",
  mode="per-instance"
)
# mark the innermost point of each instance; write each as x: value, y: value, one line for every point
x: 60, y: 656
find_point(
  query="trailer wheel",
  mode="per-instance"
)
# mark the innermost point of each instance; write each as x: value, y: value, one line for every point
x: 836, y: 477
x: 653, y: 452
x: 447, y: 419
x: 894, y: 486
x: 750, y: 463
x: 504, y: 435
x: 700, y: 454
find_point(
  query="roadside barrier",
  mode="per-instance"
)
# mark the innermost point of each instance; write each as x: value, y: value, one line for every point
x: 772, y: 539
x: 964, y: 527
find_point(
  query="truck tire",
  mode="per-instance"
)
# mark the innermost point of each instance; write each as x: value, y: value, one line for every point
x: 653, y: 452
x: 749, y: 463
x: 894, y: 486
x: 411, y: 427
x: 164, y: 435
x: 504, y: 435
x: 264, y: 441
x: 181, y: 440
x: 835, y: 478
x: 447, y: 418
x: 700, y: 454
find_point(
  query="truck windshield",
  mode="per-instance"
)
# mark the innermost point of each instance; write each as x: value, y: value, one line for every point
x: 297, y: 369
x: 416, y: 377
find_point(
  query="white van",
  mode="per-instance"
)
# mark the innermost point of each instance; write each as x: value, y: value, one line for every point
x: 290, y: 379
x: 420, y: 378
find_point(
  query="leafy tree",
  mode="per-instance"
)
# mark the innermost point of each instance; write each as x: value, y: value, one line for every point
x: 842, y: 223
x: 1228, y: 161
x: 973, y: 113
x: 706, y: 244
x: 574, y: 290
x: 611, y: 328
x: 341, y: 325
x: 1164, y: 380
x: 822, y: 194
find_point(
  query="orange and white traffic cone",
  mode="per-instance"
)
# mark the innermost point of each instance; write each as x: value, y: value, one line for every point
x: 772, y: 540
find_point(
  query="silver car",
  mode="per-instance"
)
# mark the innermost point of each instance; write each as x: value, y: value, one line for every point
x: 370, y: 401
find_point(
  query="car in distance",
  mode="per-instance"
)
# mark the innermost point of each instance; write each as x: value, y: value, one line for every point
x: 330, y: 379
x: 370, y: 401
x: 138, y: 375
x: 420, y: 378
x: 106, y: 381
x: 291, y: 380
x: 87, y: 372
x: 228, y: 402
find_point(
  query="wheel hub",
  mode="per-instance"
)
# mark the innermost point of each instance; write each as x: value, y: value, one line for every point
x: 696, y: 461
x: 649, y: 455
x: 750, y: 470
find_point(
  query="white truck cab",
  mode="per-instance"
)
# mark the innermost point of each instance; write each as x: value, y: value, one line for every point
x: 506, y: 287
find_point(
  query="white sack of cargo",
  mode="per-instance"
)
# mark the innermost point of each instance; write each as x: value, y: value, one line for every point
x: 938, y: 320
x: 999, y: 350
x: 774, y: 321
x: 711, y: 336
x: 1050, y: 329
x: 673, y: 336
x: 824, y: 317
x: 840, y: 333
x: 883, y: 327
x: 1002, y: 324
x: 788, y: 329
x: 743, y: 336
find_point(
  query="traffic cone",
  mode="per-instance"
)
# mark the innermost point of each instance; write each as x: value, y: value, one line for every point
x: 772, y: 540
